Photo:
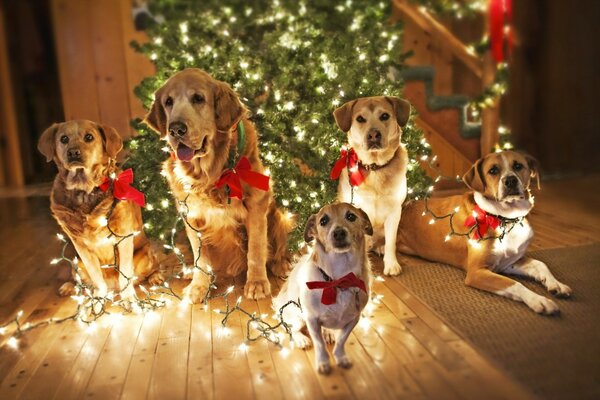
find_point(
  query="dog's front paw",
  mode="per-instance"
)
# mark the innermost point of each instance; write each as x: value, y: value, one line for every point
x: 301, y: 341
x: 281, y: 268
x: 391, y: 268
x: 156, y: 278
x: 328, y: 335
x: 542, y: 305
x: 67, y: 289
x: 559, y: 289
x: 257, y: 288
x: 324, y: 367
x: 343, y: 362
x: 194, y: 293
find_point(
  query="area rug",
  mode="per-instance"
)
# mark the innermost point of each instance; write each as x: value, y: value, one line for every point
x: 556, y: 357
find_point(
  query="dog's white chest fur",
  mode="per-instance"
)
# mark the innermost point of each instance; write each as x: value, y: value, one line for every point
x: 513, y: 246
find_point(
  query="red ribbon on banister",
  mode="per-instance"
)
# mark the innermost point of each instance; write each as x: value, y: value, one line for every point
x: 121, y: 188
x: 329, y: 295
x: 348, y: 158
x: 242, y: 172
x: 500, y: 14
x: 484, y: 222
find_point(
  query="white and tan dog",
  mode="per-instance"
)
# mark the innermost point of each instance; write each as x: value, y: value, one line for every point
x: 498, y: 205
x: 332, y: 282
x: 374, y: 131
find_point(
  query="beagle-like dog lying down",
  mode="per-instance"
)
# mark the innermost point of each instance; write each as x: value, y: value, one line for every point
x: 332, y: 282
x: 496, y: 207
x: 376, y: 167
x: 82, y: 198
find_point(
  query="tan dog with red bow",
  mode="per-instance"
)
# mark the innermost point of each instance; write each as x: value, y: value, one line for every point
x: 496, y: 208
x: 332, y: 282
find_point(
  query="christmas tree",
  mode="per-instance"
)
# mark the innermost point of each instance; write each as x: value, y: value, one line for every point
x: 292, y: 63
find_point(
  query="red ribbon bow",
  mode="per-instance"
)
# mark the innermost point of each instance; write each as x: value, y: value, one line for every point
x: 483, y: 220
x: 121, y: 188
x: 329, y: 287
x: 500, y: 14
x: 242, y: 172
x: 348, y: 158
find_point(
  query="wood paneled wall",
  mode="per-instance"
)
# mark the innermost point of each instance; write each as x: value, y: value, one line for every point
x: 98, y: 68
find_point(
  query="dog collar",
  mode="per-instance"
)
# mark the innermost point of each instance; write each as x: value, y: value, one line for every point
x: 480, y: 221
x: 330, y: 286
x: 375, y: 167
x: 356, y: 168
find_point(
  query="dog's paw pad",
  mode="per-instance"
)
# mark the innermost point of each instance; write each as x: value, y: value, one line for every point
x: 344, y: 362
x: 324, y: 368
x: 67, y: 289
x: 194, y: 293
x: 392, y: 269
x: 329, y: 335
x: 156, y: 279
x: 257, y: 289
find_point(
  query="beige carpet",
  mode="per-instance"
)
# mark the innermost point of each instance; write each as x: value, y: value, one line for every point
x: 555, y: 357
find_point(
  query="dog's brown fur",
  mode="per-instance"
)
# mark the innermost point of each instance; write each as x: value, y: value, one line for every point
x: 245, y: 235
x: 78, y: 205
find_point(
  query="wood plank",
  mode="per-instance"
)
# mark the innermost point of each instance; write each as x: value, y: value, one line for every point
x: 169, y: 371
x: 109, y: 60
x: 75, y: 58
x: 9, y: 132
x: 139, y: 372
x: 200, y: 363
x: 432, y: 382
x: 110, y: 371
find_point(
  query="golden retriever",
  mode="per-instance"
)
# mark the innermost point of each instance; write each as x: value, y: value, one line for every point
x: 198, y: 116
x: 84, y: 153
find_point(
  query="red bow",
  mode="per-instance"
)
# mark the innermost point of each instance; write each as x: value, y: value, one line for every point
x: 483, y: 220
x: 348, y: 158
x: 242, y: 172
x: 329, y: 287
x: 500, y: 13
x: 121, y: 188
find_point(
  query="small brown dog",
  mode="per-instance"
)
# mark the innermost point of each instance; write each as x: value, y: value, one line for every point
x: 332, y: 282
x: 497, y: 206
x: 199, y: 117
x: 374, y: 131
x: 84, y: 153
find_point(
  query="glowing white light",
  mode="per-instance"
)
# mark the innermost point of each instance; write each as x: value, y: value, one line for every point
x: 448, y: 237
x: 243, y: 347
x: 54, y: 261
x: 164, y: 203
x: 229, y: 289
x: 431, y: 221
x: 102, y: 221
x: 60, y: 236
x: 13, y: 343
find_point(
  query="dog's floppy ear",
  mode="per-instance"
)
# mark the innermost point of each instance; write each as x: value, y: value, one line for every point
x: 401, y: 108
x: 156, y: 117
x: 533, y: 165
x: 474, y: 178
x: 363, y: 215
x: 310, y: 231
x: 47, y: 142
x: 228, y: 108
x: 343, y: 116
x: 113, y: 143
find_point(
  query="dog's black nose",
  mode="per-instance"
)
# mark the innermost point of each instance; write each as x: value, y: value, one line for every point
x: 374, y: 135
x: 339, y: 234
x: 511, y: 182
x: 73, y: 154
x: 177, y: 128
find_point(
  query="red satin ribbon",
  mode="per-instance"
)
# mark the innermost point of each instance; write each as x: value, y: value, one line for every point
x: 500, y: 14
x: 348, y: 158
x: 484, y: 222
x: 242, y: 172
x: 329, y: 295
x: 121, y: 188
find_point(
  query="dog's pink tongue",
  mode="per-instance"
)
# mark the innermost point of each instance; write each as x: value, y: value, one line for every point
x: 184, y: 153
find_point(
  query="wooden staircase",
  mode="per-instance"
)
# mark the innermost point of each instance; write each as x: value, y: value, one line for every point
x: 442, y: 75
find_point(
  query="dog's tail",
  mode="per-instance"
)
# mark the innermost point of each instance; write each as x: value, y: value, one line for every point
x: 290, y: 291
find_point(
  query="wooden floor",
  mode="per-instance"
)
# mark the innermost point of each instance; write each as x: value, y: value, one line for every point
x: 406, y: 351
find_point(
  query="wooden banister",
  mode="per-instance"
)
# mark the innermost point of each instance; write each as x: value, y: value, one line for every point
x: 429, y: 24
